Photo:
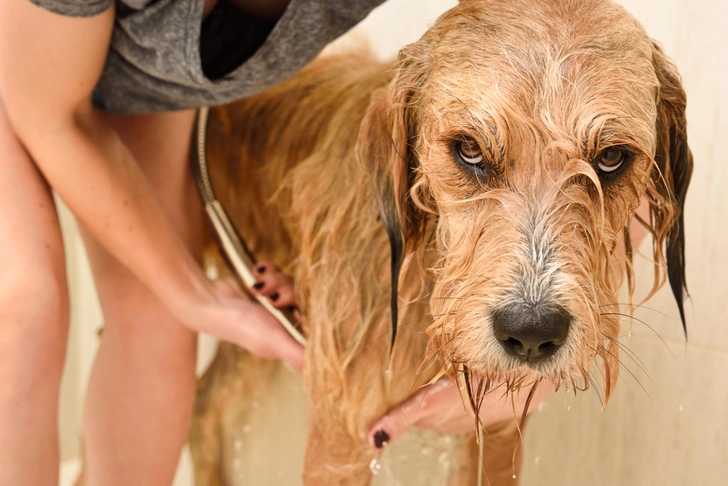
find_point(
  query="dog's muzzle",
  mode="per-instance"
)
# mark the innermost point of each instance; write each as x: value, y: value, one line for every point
x: 531, y: 333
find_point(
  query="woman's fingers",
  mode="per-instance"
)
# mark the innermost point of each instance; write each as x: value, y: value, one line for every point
x: 437, y: 406
x: 282, y: 297
x: 440, y: 407
x: 275, y: 285
x: 255, y: 328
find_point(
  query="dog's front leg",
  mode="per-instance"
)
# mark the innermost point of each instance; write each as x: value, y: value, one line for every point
x: 344, y: 400
x: 501, y: 460
x: 347, y: 391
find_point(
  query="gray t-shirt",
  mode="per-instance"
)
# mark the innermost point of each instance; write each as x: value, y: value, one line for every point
x: 155, y: 63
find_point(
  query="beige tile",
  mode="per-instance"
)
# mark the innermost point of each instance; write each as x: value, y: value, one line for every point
x: 666, y: 426
x: 569, y: 442
x: 678, y: 435
x: 707, y: 276
x: 70, y: 400
x: 694, y: 35
x: 658, y: 317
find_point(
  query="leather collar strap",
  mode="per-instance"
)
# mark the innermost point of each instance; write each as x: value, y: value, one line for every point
x: 232, y: 245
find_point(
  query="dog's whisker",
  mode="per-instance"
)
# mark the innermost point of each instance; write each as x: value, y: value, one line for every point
x: 595, y: 388
x: 637, y: 306
x: 634, y: 319
x: 623, y: 366
x: 643, y: 307
x: 630, y: 353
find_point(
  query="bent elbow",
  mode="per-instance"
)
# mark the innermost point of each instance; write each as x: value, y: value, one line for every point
x: 31, y: 120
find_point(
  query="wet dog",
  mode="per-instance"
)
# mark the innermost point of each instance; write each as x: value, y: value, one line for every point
x: 480, y: 189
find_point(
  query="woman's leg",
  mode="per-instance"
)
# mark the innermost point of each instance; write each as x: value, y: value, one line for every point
x: 33, y: 319
x: 142, y: 385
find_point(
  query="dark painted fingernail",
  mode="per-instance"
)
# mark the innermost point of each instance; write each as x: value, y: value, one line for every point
x: 260, y: 269
x: 273, y: 297
x: 381, y: 438
x: 258, y: 285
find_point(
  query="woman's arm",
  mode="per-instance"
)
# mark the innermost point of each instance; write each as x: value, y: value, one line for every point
x: 49, y: 65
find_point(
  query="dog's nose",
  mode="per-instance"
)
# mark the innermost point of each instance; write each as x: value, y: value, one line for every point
x: 531, y: 333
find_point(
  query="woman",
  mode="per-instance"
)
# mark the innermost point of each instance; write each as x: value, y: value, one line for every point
x: 97, y: 103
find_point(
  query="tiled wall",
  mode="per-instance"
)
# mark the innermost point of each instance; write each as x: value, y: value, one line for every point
x: 668, y: 421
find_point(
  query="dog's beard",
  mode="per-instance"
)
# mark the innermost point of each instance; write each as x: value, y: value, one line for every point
x: 514, y: 252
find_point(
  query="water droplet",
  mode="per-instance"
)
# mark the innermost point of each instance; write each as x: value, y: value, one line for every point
x: 247, y: 428
x: 374, y: 466
x: 387, y: 372
x: 542, y: 407
x: 629, y: 334
x: 680, y: 408
x: 537, y: 461
x: 443, y: 459
x: 238, y: 444
x: 568, y: 408
x: 514, y: 476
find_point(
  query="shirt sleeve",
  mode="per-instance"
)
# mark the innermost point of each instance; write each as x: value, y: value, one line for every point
x: 74, y: 8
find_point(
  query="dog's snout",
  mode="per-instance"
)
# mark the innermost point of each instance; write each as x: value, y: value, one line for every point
x: 531, y: 333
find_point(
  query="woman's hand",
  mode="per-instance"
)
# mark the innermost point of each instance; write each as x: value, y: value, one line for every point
x: 232, y: 315
x: 440, y: 407
x: 250, y: 326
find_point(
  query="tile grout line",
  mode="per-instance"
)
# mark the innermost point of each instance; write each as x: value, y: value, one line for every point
x: 680, y: 343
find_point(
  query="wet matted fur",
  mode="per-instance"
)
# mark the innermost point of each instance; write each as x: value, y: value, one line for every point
x: 498, y: 165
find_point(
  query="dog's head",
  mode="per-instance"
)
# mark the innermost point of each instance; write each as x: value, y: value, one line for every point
x: 527, y: 133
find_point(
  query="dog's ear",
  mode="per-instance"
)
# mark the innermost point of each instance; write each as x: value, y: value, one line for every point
x: 385, y: 148
x: 671, y: 175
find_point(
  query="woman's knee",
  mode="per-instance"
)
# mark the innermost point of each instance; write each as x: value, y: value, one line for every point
x: 34, y: 311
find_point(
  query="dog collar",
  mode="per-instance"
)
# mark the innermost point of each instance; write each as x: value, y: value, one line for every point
x: 232, y: 244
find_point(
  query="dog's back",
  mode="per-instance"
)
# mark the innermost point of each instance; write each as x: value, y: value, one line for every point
x: 255, y: 144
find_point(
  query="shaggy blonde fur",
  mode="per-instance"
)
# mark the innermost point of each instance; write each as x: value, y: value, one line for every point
x: 313, y: 170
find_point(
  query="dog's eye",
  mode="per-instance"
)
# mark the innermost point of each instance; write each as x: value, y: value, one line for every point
x: 469, y: 152
x: 610, y: 160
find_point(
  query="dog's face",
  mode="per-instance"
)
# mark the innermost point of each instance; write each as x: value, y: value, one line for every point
x: 529, y: 132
